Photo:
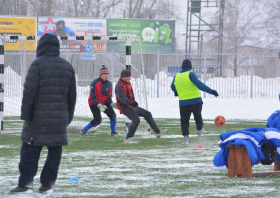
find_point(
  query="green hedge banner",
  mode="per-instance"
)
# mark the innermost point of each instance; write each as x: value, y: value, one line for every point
x: 155, y: 35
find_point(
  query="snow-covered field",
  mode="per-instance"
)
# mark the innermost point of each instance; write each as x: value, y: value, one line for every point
x: 152, y: 168
x: 230, y: 108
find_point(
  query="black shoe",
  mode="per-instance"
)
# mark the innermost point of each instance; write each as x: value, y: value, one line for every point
x: 45, y: 189
x: 115, y: 134
x: 18, y: 190
x: 127, y: 127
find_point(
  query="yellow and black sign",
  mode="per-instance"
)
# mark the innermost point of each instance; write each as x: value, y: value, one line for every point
x: 11, y: 26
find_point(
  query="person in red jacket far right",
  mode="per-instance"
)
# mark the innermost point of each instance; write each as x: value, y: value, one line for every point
x: 129, y: 107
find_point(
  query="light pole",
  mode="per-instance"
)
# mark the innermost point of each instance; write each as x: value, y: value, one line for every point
x: 186, y: 49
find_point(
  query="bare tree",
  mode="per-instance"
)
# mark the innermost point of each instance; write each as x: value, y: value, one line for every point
x: 271, y: 24
x: 72, y: 8
x: 146, y: 9
x: 42, y: 7
x: 238, y: 25
x: 241, y: 24
x: 13, y: 7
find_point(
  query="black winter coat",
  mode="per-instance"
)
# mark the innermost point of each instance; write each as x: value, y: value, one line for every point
x: 49, y: 96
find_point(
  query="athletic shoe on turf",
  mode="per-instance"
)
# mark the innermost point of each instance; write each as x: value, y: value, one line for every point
x: 161, y: 133
x: 21, y: 190
x: 115, y: 134
x: 186, y: 140
x: 199, y: 132
x: 83, y: 133
x: 129, y: 141
x: 45, y: 189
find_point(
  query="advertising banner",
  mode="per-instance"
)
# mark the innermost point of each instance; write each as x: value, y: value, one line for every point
x: 11, y: 26
x: 75, y: 27
x: 199, y: 70
x: 155, y: 34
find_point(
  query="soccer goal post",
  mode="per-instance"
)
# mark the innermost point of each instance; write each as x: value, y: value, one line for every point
x: 10, y: 110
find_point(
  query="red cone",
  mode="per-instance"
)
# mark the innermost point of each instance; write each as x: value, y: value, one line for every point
x: 200, y: 146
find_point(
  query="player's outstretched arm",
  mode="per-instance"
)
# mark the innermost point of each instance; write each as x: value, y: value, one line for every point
x: 200, y: 85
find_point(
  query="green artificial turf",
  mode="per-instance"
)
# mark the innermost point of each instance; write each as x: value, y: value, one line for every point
x: 152, y: 168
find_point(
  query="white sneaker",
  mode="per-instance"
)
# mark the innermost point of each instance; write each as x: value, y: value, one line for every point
x: 186, y: 140
x: 161, y: 133
x: 83, y: 133
x: 199, y: 132
x: 129, y: 141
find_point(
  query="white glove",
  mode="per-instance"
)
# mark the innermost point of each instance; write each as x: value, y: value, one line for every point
x: 101, y: 107
x: 114, y: 105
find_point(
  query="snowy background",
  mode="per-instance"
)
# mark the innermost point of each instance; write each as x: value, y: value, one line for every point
x: 168, y: 106
x: 230, y: 108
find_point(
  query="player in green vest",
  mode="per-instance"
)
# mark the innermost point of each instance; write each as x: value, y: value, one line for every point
x: 187, y: 86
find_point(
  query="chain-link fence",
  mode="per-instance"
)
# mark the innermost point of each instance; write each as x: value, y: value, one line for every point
x: 232, y: 75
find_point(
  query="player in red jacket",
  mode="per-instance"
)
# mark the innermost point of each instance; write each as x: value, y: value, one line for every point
x: 100, y: 100
x: 129, y: 107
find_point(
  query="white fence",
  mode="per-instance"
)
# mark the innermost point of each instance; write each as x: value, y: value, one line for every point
x: 238, y: 76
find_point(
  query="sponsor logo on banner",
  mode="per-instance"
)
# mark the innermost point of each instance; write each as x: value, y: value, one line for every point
x: 154, y: 34
x: 21, y: 26
x: 6, y: 24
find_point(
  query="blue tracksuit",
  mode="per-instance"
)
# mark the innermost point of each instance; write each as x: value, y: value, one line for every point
x: 253, y: 138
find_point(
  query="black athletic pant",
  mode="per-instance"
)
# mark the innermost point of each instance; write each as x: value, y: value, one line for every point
x: 28, y: 165
x: 133, y: 114
x: 97, y: 114
x: 185, y: 113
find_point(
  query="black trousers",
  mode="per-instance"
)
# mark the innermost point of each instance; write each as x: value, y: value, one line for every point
x: 133, y: 114
x: 97, y: 119
x: 185, y: 113
x: 28, y: 165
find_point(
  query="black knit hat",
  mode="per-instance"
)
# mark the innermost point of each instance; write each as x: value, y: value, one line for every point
x: 186, y: 64
x: 125, y: 73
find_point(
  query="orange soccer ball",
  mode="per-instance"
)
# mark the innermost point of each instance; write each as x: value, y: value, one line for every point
x: 220, y: 121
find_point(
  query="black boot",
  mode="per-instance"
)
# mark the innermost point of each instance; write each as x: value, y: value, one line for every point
x: 18, y: 190
x: 45, y: 189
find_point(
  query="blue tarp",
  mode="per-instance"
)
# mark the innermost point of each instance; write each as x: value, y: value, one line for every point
x: 253, y: 138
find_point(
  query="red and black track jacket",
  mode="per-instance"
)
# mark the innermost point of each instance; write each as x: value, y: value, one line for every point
x: 100, y: 92
x: 124, y: 95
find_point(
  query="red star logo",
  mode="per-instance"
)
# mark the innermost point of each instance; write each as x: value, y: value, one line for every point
x: 48, y: 22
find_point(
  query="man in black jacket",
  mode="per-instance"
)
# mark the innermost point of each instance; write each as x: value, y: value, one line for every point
x: 129, y: 107
x: 47, y: 109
